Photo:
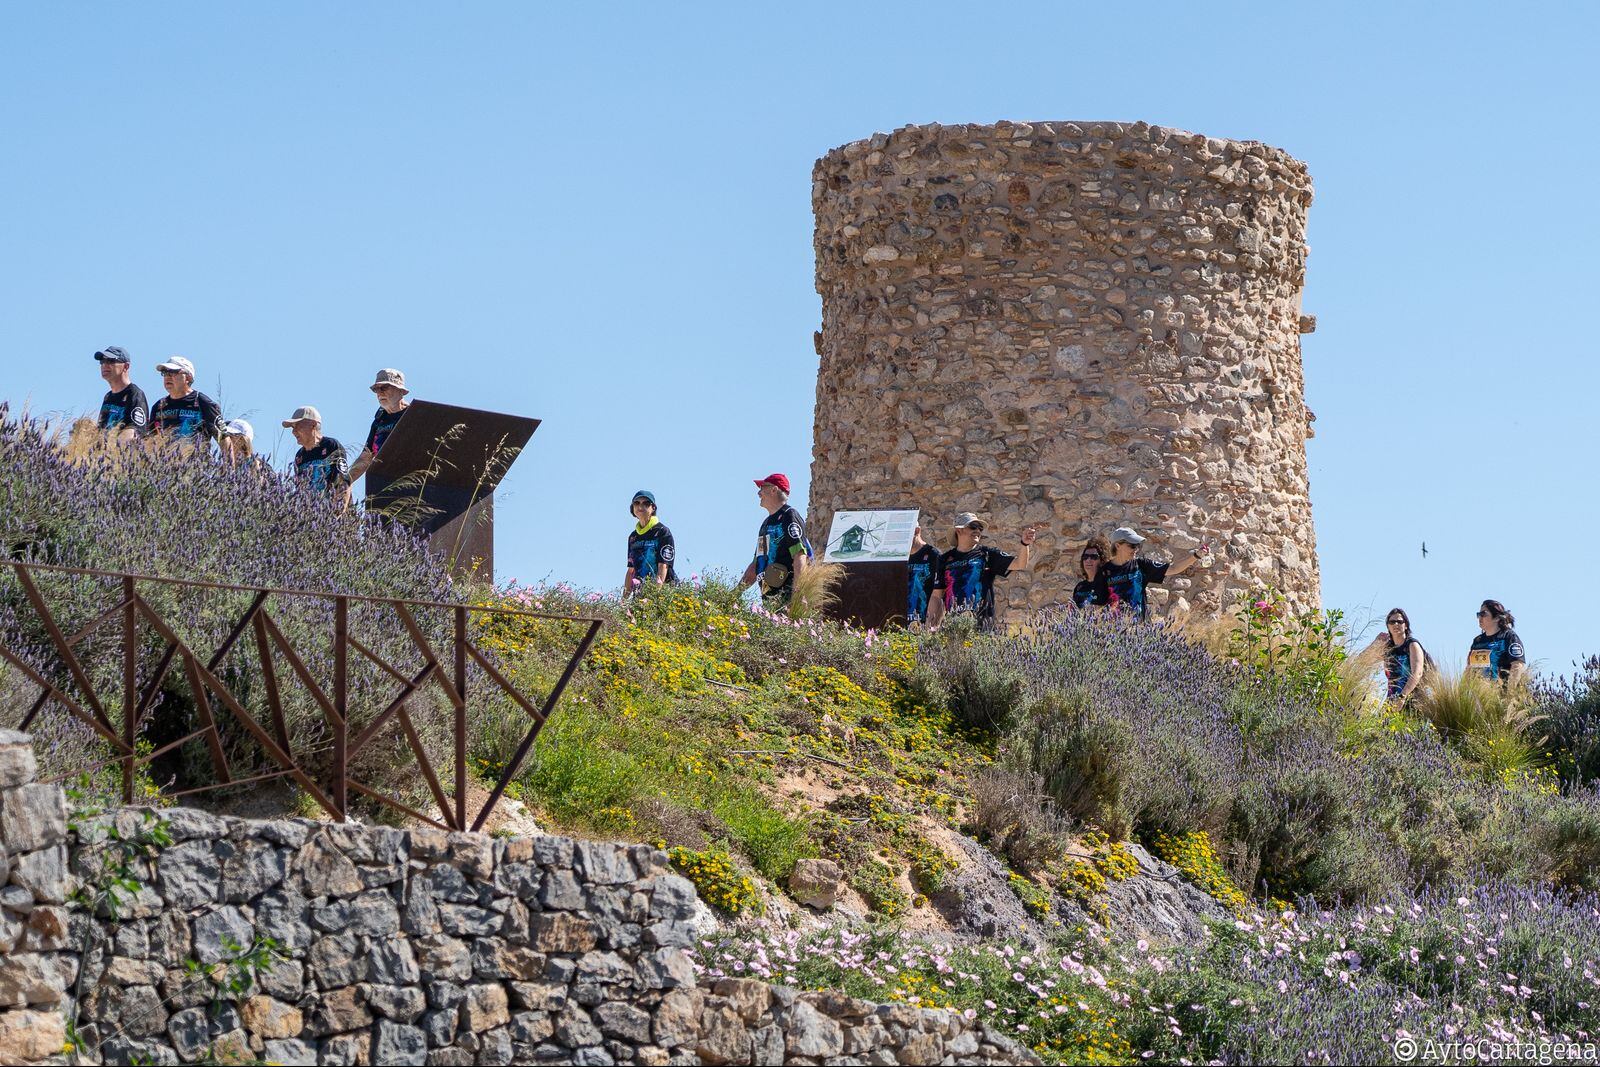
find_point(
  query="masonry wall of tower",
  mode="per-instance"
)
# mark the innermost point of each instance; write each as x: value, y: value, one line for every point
x: 1079, y: 325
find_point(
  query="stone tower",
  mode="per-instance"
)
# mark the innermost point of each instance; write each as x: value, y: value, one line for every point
x: 1080, y: 325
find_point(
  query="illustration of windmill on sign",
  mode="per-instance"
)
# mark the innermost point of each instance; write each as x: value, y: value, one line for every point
x: 859, y: 535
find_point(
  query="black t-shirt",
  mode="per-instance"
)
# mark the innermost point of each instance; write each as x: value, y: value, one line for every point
x: 126, y: 408
x: 1123, y: 584
x: 322, y: 467
x: 1087, y: 594
x: 968, y: 578
x: 780, y: 538
x: 383, y: 423
x: 1397, y: 664
x: 1493, y: 654
x: 651, y: 551
x: 194, y: 415
x: 922, y: 570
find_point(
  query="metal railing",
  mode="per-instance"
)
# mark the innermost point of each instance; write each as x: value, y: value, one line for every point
x: 349, y: 730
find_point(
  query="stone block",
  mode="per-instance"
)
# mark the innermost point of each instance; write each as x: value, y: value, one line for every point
x: 32, y: 817
x: 268, y: 1018
x: 602, y: 863
x: 484, y: 1008
x: 396, y: 1043
x: 17, y: 764
x: 30, y: 978
x: 816, y: 883
x: 31, y: 1036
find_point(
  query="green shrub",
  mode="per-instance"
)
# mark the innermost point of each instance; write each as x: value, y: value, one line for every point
x: 1086, y: 760
x: 1492, y: 725
x: 719, y: 882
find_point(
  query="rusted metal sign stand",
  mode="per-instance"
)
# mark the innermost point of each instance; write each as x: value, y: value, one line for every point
x: 348, y: 737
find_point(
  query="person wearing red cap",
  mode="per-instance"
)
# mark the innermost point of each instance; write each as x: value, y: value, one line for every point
x: 781, y: 548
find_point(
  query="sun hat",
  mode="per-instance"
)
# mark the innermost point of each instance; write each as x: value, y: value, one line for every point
x: 390, y: 376
x: 301, y: 414
x: 1127, y: 534
x: 112, y: 354
x: 240, y: 428
x: 177, y: 363
x: 967, y: 520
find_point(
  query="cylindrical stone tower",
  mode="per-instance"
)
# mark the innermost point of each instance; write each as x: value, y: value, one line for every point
x: 1080, y: 325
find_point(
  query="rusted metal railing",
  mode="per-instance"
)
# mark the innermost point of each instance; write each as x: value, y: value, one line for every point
x: 350, y: 730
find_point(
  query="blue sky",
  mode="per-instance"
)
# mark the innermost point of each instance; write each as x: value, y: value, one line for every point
x: 602, y: 218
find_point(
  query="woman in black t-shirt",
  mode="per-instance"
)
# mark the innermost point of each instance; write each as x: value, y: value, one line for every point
x: 1087, y: 593
x: 1404, y: 661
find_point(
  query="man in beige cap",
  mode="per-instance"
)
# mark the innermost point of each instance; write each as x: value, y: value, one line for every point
x: 391, y: 391
x: 320, y: 464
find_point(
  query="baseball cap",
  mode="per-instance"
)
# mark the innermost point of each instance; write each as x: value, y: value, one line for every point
x: 779, y: 480
x: 240, y: 428
x: 112, y: 354
x: 177, y: 363
x: 301, y: 414
x: 643, y: 494
x: 1128, y: 534
x: 968, y: 519
x: 390, y: 376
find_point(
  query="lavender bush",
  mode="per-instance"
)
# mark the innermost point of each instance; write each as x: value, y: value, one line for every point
x: 166, y: 513
x: 1140, y: 731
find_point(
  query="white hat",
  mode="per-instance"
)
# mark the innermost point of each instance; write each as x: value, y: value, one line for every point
x: 1128, y: 534
x: 301, y: 414
x: 967, y: 520
x: 177, y: 363
x: 240, y: 428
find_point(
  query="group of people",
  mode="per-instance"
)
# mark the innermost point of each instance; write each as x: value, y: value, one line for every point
x: 960, y: 578
x: 1496, y: 652
x: 188, y: 418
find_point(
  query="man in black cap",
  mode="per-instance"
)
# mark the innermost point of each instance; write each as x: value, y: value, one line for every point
x: 124, y: 410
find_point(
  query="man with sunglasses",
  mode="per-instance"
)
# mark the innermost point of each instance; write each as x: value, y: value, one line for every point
x: 968, y: 571
x: 124, y: 409
x: 1126, y: 578
x: 184, y: 414
x: 391, y: 391
x: 782, y: 551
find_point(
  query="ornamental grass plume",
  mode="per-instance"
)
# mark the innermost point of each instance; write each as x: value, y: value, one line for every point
x: 1495, y: 726
x: 815, y: 590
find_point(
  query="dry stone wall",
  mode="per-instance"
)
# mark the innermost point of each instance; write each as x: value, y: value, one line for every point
x: 1083, y: 325
x: 35, y: 967
x: 399, y: 947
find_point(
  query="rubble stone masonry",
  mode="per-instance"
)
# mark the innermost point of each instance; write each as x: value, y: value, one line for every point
x: 397, y: 946
x: 1080, y: 325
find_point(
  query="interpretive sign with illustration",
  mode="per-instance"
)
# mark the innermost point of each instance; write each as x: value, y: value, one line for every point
x: 857, y: 536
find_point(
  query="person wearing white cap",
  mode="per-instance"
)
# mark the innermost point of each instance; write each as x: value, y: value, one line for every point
x: 1126, y: 577
x: 184, y: 413
x: 239, y: 444
x: 320, y: 464
x: 390, y: 389
x: 967, y: 572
